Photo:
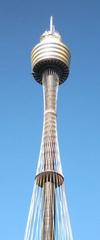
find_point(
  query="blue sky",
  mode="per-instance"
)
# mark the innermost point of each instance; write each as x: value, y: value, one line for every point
x: 21, y: 112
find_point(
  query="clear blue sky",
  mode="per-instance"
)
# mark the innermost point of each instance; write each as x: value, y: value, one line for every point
x: 21, y: 106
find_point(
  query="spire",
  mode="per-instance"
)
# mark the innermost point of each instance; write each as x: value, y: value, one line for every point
x: 52, y: 27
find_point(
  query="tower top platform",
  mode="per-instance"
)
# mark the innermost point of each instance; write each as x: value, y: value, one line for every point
x: 50, y: 53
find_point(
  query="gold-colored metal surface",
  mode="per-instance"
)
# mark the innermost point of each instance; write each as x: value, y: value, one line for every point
x: 50, y: 50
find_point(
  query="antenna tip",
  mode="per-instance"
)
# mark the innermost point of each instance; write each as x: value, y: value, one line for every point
x: 52, y: 28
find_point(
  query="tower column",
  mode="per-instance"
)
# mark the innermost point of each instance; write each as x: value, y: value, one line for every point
x: 50, y: 89
x: 50, y: 86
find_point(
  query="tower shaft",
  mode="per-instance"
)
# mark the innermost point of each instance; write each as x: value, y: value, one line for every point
x: 50, y: 86
x: 49, y: 211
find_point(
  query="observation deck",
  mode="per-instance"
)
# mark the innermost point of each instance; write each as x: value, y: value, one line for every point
x: 50, y: 53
